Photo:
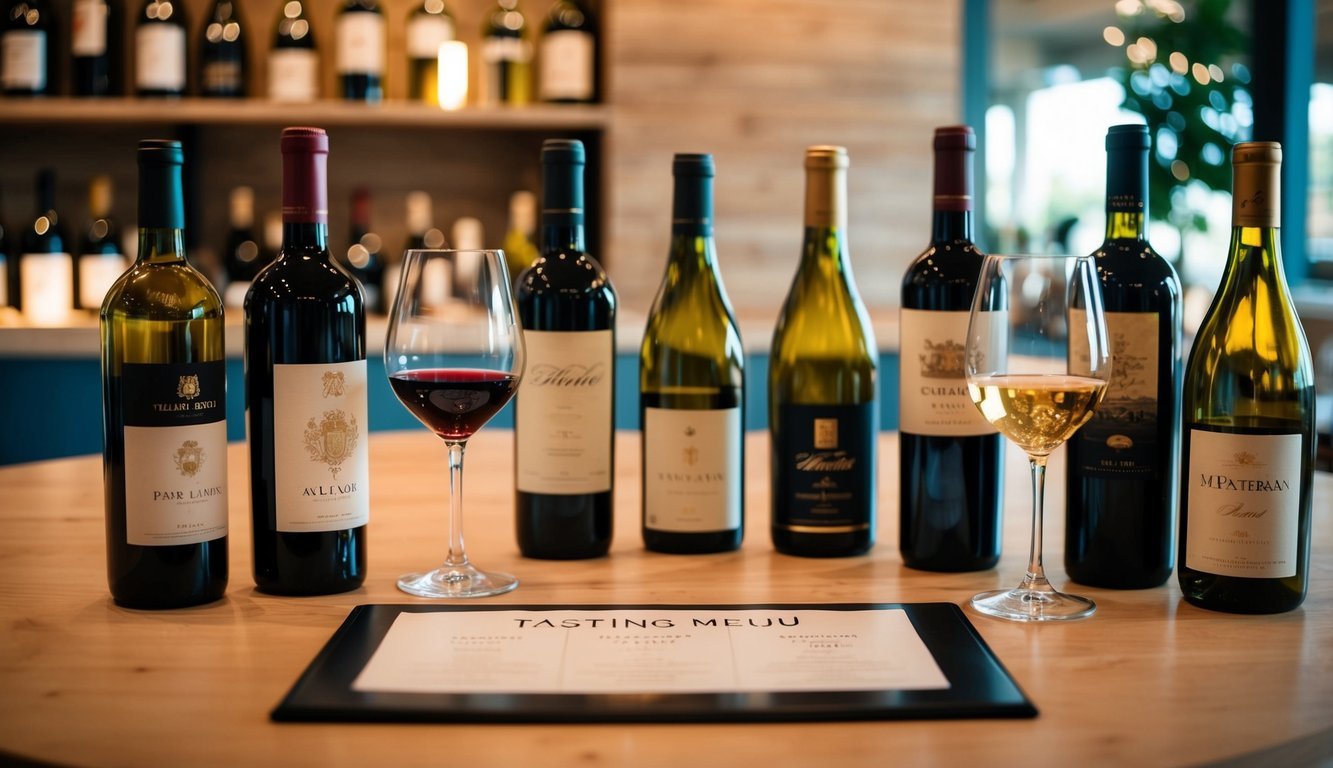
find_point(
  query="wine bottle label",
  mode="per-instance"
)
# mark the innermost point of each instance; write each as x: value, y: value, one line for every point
x: 96, y: 274
x: 932, y: 381
x: 424, y: 35
x: 293, y: 75
x: 4, y: 283
x: 24, y: 59
x: 824, y: 467
x: 360, y: 44
x: 566, y: 66
x: 160, y: 49
x: 1121, y: 438
x: 88, y: 37
x: 46, y: 287
x: 692, y: 469
x: 1243, y: 503
x: 175, y: 452
x: 496, y: 49
x: 223, y: 77
x: 562, y: 419
x: 321, y: 446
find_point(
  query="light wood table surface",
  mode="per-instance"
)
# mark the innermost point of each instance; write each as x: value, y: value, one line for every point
x: 1149, y: 680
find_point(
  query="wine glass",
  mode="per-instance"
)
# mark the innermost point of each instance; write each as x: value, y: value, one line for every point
x: 454, y: 357
x: 1037, y: 365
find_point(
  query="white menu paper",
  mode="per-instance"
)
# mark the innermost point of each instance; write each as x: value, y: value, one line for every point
x: 651, y: 650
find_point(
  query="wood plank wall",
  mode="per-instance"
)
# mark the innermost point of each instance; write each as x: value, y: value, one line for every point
x: 755, y: 82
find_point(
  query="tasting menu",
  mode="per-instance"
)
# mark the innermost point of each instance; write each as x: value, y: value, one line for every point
x: 654, y: 663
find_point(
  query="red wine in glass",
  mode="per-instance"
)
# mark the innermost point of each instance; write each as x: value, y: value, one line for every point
x: 454, y: 402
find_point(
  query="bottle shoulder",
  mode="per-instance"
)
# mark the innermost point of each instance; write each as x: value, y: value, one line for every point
x: 566, y: 273
x: 304, y: 277
x: 170, y: 291
x: 955, y: 261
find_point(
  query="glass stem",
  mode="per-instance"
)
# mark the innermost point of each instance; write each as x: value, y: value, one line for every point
x: 1036, y: 575
x: 457, y: 556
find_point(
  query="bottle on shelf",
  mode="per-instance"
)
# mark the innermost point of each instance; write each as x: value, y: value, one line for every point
x: 359, y: 47
x: 45, y: 266
x: 951, y: 460
x: 823, y: 402
x: 306, y: 396
x: 293, y: 61
x: 506, y: 57
x: 1248, y: 407
x: 7, y: 260
x: 27, y: 39
x: 160, y: 49
x: 222, y: 60
x: 96, y: 48
x: 567, y: 55
x: 101, y: 262
x: 467, y: 236
x: 1122, y: 467
x: 421, y: 234
x: 564, y: 419
x: 430, y: 24
x: 519, y: 244
x: 243, y: 257
x: 164, y: 409
x: 364, y: 259
x: 692, y: 387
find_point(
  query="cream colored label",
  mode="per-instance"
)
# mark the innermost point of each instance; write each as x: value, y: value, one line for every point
x: 1244, y: 504
x: 160, y: 49
x: 96, y: 274
x: 321, y: 446
x: 88, y: 37
x: 692, y: 469
x: 566, y: 65
x: 175, y: 484
x: 424, y: 35
x: 563, y: 419
x: 293, y: 75
x: 46, y: 287
x: 24, y: 58
x: 933, y: 397
x: 360, y: 44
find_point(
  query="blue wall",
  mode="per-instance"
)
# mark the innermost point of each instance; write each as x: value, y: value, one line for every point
x: 53, y: 407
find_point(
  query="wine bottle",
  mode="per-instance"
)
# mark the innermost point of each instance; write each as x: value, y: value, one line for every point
x: 159, y: 44
x: 27, y: 34
x: 359, y: 47
x: 242, y: 258
x: 568, y: 55
x: 506, y: 57
x: 45, y: 266
x: 1248, y: 402
x: 823, y: 407
x: 7, y: 261
x: 164, y: 409
x: 421, y: 234
x: 95, y: 48
x: 1121, y: 471
x: 564, y: 421
x: 306, y: 396
x: 951, y: 460
x: 363, y: 259
x: 692, y: 387
x: 519, y: 246
x: 100, y: 259
x: 222, y: 62
x: 430, y: 24
x: 293, y: 62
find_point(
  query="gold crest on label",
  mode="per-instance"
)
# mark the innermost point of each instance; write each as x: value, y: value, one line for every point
x: 943, y: 360
x: 334, y: 384
x: 188, y: 387
x: 826, y: 433
x: 331, y: 439
x: 1245, y: 458
x: 189, y: 457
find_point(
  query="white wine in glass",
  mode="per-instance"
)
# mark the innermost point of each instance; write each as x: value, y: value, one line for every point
x: 1037, y: 364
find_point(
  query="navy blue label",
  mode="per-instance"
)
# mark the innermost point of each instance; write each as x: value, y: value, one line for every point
x: 174, y: 394
x: 824, y: 466
x: 1122, y: 441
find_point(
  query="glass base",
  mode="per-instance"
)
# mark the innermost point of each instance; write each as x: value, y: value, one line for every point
x: 456, y: 581
x: 1029, y: 603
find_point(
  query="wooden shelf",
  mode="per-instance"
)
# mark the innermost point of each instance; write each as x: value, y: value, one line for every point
x: 132, y: 111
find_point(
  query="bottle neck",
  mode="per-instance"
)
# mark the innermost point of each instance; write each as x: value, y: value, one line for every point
x: 562, y: 236
x: 1126, y: 193
x: 825, y: 214
x: 161, y: 245
x: 950, y: 226
x: 562, y: 207
x: 304, y: 237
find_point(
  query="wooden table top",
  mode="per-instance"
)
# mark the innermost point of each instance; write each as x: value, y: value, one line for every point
x: 1149, y: 680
